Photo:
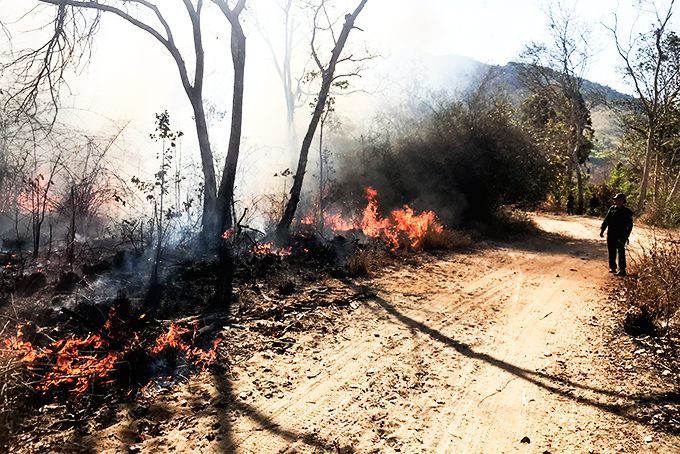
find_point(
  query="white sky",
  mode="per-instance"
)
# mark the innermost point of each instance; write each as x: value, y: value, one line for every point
x: 131, y: 78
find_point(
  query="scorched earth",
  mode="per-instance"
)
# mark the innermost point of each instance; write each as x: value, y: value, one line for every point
x: 515, y: 347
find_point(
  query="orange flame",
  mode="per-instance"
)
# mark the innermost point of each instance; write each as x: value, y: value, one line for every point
x: 79, y: 362
x: 404, y: 224
x: 401, y: 226
x: 173, y: 339
x: 269, y: 248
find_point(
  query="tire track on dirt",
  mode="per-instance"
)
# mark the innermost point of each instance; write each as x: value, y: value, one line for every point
x: 456, y: 355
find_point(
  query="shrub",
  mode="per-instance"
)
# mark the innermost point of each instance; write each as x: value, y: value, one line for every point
x: 444, y: 239
x: 662, y: 214
x: 462, y: 161
x: 365, y: 261
x: 655, y: 285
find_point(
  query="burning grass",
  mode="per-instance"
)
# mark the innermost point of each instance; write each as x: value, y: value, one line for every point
x: 70, y: 343
x: 402, y: 228
x: 75, y: 365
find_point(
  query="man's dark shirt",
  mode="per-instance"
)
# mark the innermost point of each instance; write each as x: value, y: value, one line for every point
x: 619, y: 221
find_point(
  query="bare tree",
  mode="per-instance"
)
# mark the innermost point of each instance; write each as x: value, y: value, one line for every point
x: 74, y: 31
x: 328, y: 77
x: 556, y: 71
x: 38, y: 194
x: 238, y: 56
x: 655, y: 78
x: 293, y: 92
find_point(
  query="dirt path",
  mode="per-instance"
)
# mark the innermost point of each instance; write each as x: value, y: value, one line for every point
x: 498, y: 351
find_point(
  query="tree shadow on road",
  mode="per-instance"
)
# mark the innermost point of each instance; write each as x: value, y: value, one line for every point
x: 263, y: 422
x: 555, y: 243
x: 603, y: 399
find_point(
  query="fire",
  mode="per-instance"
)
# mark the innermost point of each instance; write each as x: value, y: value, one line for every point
x: 173, y: 339
x: 401, y: 226
x: 78, y: 363
x: 268, y: 248
x: 227, y: 233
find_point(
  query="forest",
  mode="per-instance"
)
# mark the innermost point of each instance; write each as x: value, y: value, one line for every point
x: 127, y: 254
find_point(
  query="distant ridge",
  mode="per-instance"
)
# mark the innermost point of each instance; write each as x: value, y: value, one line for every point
x: 459, y: 74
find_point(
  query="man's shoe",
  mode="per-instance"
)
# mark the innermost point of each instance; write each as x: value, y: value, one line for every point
x: 612, y: 271
x: 621, y: 273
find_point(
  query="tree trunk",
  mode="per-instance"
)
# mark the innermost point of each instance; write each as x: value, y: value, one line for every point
x: 657, y: 171
x: 645, y: 172
x: 579, y: 185
x: 321, y: 179
x: 226, y: 193
x: 210, y: 221
x: 676, y: 188
x: 577, y: 166
x: 225, y: 197
x: 283, y: 227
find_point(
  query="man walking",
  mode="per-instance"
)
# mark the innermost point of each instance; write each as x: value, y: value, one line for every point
x: 619, y: 221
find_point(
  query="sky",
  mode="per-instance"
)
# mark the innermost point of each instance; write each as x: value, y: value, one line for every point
x: 130, y: 77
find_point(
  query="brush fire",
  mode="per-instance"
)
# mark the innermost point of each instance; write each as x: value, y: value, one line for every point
x: 72, y: 342
x: 76, y: 364
x: 401, y: 227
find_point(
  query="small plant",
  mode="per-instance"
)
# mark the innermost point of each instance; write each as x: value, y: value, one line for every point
x: 156, y: 191
x: 508, y: 222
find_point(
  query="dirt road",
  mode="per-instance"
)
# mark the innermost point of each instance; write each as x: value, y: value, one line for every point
x: 497, y: 351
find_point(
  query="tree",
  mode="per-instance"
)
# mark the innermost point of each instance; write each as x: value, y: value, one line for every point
x: 74, y: 29
x: 652, y: 66
x: 238, y: 55
x: 328, y: 77
x: 38, y: 194
x: 555, y: 71
x: 292, y: 88
x: 163, y: 134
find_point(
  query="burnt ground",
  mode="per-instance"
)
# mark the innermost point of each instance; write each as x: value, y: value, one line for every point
x: 513, y: 347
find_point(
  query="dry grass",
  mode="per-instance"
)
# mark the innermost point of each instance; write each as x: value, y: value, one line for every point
x: 655, y: 283
x: 365, y: 261
x: 444, y: 239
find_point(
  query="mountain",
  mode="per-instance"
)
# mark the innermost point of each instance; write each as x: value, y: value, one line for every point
x: 456, y: 74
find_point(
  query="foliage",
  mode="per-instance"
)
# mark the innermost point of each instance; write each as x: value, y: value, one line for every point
x: 463, y: 161
x: 662, y: 214
x: 623, y: 178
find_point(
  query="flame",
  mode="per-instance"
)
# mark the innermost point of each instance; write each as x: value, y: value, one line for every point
x: 268, y: 248
x: 77, y: 363
x: 400, y: 227
x: 402, y: 224
x: 173, y: 339
x: 227, y: 233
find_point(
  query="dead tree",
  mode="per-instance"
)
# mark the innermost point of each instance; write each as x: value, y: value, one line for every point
x: 73, y: 29
x: 293, y: 92
x: 38, y: 189
x: 238, y: 57
x: 328, y: 76
x: 556, y: 72
x: 656, y: 80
